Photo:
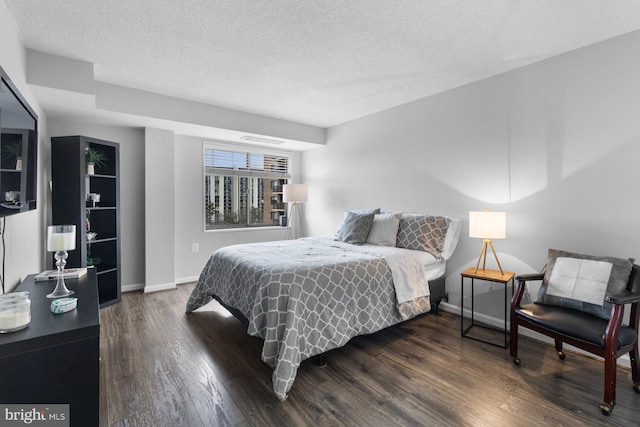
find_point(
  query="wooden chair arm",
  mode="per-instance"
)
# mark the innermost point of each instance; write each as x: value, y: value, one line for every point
x: 522, y: 282
x: 626, y: 298
x: 530, y: 276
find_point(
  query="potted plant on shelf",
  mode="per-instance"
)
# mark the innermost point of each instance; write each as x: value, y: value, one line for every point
x: 13, y: 150
x: 94, y: 158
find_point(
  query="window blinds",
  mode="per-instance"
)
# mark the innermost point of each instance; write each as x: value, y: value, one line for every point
x: 254, y: 163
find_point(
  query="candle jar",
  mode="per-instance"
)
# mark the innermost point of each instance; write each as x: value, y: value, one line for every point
x: 15, y: 311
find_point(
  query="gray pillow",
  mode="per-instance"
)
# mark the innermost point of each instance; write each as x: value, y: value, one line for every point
x: 423, y: 233
x: 355, y: 228
x: 582, y: 282
x: 358, y: 211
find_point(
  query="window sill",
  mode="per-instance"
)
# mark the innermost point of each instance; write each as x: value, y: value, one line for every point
x: 245, y: 229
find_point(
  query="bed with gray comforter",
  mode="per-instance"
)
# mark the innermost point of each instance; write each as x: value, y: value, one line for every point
x: 307, y: 296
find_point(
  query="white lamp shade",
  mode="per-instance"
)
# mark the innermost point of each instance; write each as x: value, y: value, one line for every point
x: 294, y: 193
x: 61, y: 238
x: 488, y: 225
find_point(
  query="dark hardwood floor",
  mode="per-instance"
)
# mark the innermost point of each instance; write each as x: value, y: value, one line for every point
x: 161, y: 367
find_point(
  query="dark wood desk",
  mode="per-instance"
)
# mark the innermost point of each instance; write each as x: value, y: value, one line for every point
x: 55, y: 360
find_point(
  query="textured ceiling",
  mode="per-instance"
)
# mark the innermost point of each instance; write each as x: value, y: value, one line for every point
x: 317, y: 62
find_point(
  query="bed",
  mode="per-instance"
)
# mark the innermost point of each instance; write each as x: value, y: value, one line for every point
x: 307, y: 296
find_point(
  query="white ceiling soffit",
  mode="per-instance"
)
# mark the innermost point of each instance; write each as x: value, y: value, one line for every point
x: 320, y: 62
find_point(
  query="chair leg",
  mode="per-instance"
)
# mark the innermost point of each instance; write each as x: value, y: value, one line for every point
x: 513, y: 341
x: 635, y: 370
x: 609, y: 382
x: 634, y: 322
x: 559, y: 351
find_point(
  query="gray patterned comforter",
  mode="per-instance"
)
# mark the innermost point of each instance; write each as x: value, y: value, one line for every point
x: 303, y: 297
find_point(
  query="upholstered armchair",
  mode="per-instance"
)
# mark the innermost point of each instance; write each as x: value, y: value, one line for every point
x: 581, y: 302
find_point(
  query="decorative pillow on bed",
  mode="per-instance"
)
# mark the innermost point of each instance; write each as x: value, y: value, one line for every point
x: 582, y: 282
x: 423, y: 233
x: 357, y: 211
x: 384, y: 230
x: 355, y: 228
x: 453, y: 235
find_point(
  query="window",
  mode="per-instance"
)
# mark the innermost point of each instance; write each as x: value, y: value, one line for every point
x: 237, y: 182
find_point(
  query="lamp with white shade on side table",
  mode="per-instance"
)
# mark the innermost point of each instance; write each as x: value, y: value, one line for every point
x: 486, y: 225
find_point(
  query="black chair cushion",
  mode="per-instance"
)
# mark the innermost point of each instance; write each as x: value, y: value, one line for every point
x: 573, y: 323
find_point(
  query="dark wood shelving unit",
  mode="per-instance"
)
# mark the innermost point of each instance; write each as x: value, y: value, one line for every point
x: 71, y: 186
x: 13, y: 178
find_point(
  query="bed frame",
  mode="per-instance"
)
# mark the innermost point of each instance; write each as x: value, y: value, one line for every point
x: 438, y: 293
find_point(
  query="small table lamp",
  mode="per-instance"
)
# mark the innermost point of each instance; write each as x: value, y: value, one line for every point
x: 294, y: 193
x: 60, y: 239
x: 487, y: 225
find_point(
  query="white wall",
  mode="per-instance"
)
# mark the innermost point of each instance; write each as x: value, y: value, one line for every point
x: 132, y: 195
x: 159, y: 209
x: 24, y: 237
x: 555, y: 145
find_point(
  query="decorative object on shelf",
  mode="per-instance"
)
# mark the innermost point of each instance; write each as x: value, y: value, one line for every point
x: 94, y: 158
x: 63, y: 305
x: 60, y: 239
x: 91, y: 235
x: 15, y: 311
x: 295, y: 194
x: 94, y: 198
x: 12, y: 196
x: 487, y: 225
x: 93, y: 261
x: 13, y: 150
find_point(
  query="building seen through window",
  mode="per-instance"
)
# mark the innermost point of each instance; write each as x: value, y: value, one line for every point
x: 243, y: 188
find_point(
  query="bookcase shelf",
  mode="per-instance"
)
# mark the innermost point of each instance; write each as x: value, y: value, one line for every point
x: 71, y: 205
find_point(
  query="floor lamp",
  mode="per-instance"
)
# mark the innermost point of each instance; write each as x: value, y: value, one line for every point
x: 294, y: 194
x: 487, y: 225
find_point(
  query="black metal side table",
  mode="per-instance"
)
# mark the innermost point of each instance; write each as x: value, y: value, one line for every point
x: 491, y: 276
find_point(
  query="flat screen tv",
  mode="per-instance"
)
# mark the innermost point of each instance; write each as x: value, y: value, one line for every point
x: 19, y: 150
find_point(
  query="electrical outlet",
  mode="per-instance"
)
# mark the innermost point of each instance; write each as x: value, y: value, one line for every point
x: 195, y: 247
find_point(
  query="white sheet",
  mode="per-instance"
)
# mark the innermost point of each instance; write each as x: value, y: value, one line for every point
x: 433, y: 267
x: 411, y: 270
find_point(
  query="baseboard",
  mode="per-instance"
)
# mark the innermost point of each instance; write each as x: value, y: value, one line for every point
x: 489, y: 320
x: 184, y: 280
x: 133, y: 287
x: 499, y: 323
x: 160, y: 287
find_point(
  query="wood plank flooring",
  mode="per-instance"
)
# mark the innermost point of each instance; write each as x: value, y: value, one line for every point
x: 161, y: 367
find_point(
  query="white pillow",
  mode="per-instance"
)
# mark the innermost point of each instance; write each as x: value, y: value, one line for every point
x: 453, y: 235
x: 384, y: 230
